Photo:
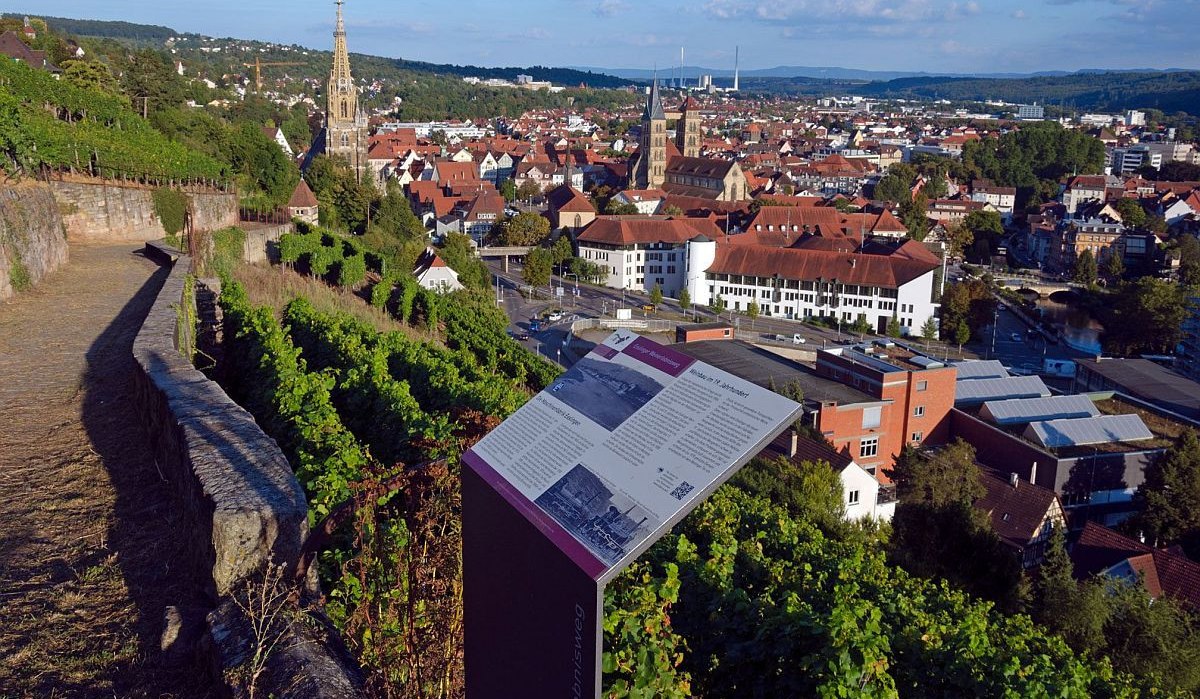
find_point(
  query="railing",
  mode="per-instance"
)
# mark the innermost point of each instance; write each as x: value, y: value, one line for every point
x: 278, y: 216
x: 127, y: 178
x: 654, y: 326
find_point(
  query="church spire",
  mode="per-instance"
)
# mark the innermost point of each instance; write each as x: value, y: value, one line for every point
x: 654, y: 108
x: 342, y: 102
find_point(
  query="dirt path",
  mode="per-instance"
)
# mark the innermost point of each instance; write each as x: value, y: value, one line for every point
x: 88, y: 536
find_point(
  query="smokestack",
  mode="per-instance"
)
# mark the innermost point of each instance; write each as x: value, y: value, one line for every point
x: 1013, y: 479
x: 795, y: 443
x: 735, y: 67
x: 1033, y: 473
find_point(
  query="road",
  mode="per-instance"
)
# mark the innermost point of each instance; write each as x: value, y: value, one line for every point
x: 1025, y: 353
x: 596, y: 302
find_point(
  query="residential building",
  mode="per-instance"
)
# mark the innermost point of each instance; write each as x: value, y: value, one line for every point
x: 1162, y: 572
x: 1022, y: 514
x: 1084, y: 188
x: 863, y: 496
x: 1126, y: 161
x: 434, y: 274
x: 1033, y: 111
x: 12, y: 46
x: 1093, y: 456
x: 1003, y: 199
x: 647, y: 201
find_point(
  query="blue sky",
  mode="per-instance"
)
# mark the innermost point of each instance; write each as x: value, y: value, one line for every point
x: 930, y: 35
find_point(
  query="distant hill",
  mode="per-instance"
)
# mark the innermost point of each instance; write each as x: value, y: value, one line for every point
x: 105, y: 29
x: 141, y: 33
x: 690, y: 73
x: 1176, y: 91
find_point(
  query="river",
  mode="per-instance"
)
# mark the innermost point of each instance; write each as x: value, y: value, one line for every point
x: 1081, y: 331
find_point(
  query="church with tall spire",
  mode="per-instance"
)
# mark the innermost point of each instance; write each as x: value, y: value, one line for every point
x: 676, y: 167
x: 345, y: 123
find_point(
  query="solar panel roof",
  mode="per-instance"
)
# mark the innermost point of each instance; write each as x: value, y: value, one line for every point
x: 1088, y: 430
x: 981, y: 369
x: 976, y: 391
x: 1019, y: 410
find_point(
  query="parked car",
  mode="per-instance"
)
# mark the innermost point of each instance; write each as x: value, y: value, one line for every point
x: 554, y: 316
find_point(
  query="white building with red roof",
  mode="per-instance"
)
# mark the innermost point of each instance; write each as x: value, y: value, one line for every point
x: 433, y: 273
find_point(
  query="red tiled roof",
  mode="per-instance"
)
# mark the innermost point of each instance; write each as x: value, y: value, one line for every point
x: 886, y: 271
x: 449, y: 171
x: 1100, y: 548
x: 628, y: 230
x: 302, y: 197
x: 1017, y: 512
x: 566, y: 198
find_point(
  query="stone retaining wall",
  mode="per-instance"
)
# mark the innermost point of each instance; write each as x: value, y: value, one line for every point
x: 32, y: 238
x: 107, y: 211
x: 246, y: 509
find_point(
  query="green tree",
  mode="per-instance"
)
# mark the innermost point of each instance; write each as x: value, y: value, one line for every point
x: 893, y: 327
x: 718, y: 305
x: 892, y: 188
x: 1114, y: 266
x: 1085, y: 269
x: 526, y: 228
x: 1075, y: 612
x: 810, y: 491
x: 508, y: 190
x: 960, y: 239
x: 962, y: 334
x: 1147, y: 316
x: 1132, y: 213
x: 656, y: 295
x: 752, y: 309
x: 929, y: 330
x: 562, y: 252
x: 672, y: 210
x: 937, y: 532
x: 616, y: 208
x: 458, y: 251
x: 529, y: 190
x: 915, y: 215
x: 149, y: 76
x: 685, y: 300
x: 538, y: 266
x: 861, y: 325
x: 89, y: 74
x: 1169, y: 499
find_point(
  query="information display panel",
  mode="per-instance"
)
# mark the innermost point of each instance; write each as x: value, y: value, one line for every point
x: 600, y: 464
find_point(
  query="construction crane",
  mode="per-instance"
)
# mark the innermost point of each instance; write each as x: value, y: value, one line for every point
x: 257, y: 65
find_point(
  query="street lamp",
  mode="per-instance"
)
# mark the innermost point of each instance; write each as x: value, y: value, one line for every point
x: 575, y: 302
x: 995, y: 322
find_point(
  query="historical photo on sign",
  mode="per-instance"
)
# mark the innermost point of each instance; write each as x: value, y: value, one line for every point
x: 607, y: 392
x: 595, y: 513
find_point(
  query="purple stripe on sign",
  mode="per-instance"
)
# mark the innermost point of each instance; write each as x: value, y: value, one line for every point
x: 552, y: 530
x: 605, y: 351
x: 662, y: 358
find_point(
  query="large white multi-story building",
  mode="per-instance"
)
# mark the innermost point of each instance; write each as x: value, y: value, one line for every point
x: 789, y: 274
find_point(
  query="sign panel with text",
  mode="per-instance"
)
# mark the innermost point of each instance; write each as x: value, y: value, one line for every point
x: 601, y: 464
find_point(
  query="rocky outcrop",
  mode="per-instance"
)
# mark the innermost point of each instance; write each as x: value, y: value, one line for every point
x: 32, y: 239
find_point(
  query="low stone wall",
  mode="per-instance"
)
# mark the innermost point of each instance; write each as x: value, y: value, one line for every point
x: 107, y: 211
x: 247, y: 512
x: 260, y: 239
x: 32, y: 238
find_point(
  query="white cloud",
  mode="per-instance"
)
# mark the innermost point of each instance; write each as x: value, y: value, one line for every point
x: 1019, y: 14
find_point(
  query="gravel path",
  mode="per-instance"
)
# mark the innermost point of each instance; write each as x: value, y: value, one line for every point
x: 88, y: 537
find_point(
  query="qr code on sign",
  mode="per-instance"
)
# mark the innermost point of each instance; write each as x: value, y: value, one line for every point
x: 682, y: 490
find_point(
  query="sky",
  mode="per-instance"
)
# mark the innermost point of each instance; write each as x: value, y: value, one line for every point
x: 909, y: 35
